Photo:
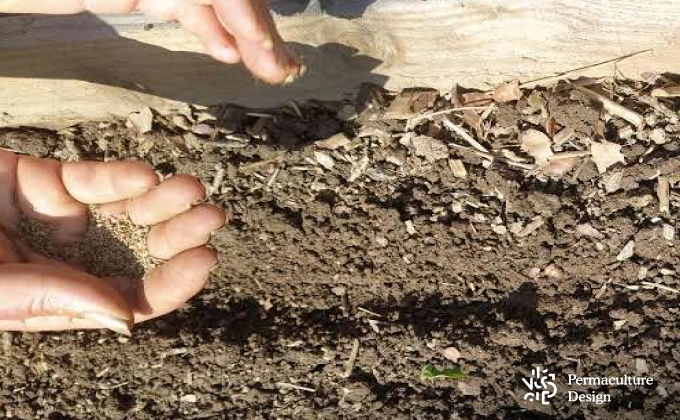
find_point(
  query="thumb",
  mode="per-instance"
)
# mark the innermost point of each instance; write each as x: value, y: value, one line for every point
x: 39, y: 291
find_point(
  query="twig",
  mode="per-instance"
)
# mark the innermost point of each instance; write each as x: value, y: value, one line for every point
x: 293, y: 386
x: 619, y: 110
x: 491, y: 157
x: 569, y: 155
x: 660, y: 286
x: 272, y: 178
x: 352, y: 359
x: 257, y: 165
x: 369, y: 312
x: 445, y: 111
x: 464, y: 134
x: 561, y: 75
x: 109, y: 388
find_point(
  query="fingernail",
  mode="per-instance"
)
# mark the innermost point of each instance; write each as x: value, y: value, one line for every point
x: 302, y: 70
x: 288, y: 80
x: 118, y: 325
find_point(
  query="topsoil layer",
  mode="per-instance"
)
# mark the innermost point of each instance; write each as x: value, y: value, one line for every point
x: 397, y: 238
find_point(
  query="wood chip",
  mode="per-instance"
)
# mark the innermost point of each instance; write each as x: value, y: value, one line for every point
x: 531, y: 227
x: 627, y: 251
x: 668, y: 232
x: 559, y: 167
x: 142, y: 121
x: 457, y: 168
x: 614, y: 108
x: 189, y: 398
x: 667, y: 92
x: 410, y: 228
x: 563, y: 136
x: 324, y: 159
x: 606, y: 154
x: 618, y: 324
x: 537, y: 145
x: 612, y: 181
x: 451, y: 353
x: 508, y: 92
x: 358, y: 168
x: 663, y: 194
x: 334, y: 142
x: 588, y: 230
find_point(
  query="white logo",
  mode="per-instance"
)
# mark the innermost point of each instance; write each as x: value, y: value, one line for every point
x: 539, y: 386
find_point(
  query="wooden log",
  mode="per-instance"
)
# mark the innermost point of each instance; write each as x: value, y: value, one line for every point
x: 59, y: 70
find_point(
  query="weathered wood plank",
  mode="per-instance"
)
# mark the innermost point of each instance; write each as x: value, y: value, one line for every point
x: 58, y: 70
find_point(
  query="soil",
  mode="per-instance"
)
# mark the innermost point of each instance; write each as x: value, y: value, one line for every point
x: 361, y: 250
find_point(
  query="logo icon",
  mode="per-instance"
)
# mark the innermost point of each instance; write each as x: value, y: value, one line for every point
x: 541, y: 386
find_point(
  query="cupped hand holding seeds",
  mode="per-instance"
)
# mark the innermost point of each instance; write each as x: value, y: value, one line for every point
x: 38, y: 293
x: 230, y: 30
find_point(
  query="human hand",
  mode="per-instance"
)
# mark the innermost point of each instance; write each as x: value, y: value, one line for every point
x: 231, y: 30
x: 38, y: 294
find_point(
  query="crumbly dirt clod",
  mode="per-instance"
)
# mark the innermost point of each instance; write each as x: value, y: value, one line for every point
x: 111, y: 247
x: 386, y: 242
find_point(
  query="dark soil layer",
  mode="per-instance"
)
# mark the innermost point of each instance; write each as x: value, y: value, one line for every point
x: 378, y: 244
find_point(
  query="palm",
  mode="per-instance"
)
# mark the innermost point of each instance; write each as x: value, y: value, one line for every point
x: 37, y: 293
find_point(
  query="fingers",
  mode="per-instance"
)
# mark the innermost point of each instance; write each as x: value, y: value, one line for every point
x: 9, y: 214
x: 245, y: 20
x: 171, y: 285
x: 190, y: 229
x: 261, y: 48
x: 41, y: 195
x: 96, y: 183
x: 32, y: 294
x: 174, y: 196
x: 201, y: 21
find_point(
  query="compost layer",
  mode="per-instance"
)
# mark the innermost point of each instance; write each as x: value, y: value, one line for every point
x: 369, y: 239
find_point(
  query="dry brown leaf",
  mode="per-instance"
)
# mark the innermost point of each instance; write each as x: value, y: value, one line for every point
x: 508, y: 92
x: 410, y: 102
x: 606, y: 154
x: 476, y: 99
x: 335, y: 141
x: 537, y: 145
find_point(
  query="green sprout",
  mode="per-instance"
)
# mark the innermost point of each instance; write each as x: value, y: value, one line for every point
x: 431, y: 372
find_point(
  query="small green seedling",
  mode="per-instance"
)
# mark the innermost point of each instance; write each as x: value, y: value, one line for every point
x: 431, y: 372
